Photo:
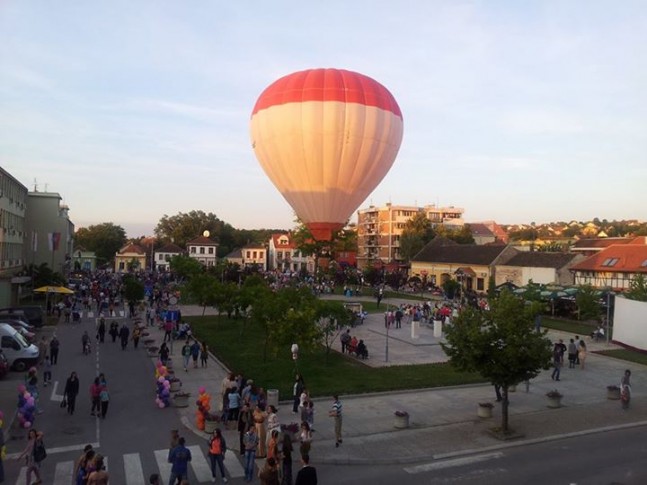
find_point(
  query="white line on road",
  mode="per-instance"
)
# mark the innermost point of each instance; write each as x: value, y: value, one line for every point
x: 439, y: 465
x: 133, y: 469
x: 233, y: 466
x: 64, y: 473
x: 59, y: 449
x: 200, y: 466
x: 54, y: 396
x: 164, y: 467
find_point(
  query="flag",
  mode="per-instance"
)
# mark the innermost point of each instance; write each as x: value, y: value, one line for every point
x: 34, y: 241
x: 54, y: 239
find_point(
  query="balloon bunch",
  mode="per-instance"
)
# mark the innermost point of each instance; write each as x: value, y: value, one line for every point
x: 163, y: 386
x: 204, y: 406
x: 26, y: 407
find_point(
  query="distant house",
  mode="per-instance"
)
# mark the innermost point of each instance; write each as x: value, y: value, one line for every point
x: 235, y: 257
x: 470, y: 264
x: 283, y: 255
x: 591, y: 246
x: 538, y: 266
x: 203, y: 249
x: 164, y: 254
x: 131, y: 257
x: 613, y: 267
x: 254, y: 254
x: 481, y: 233
x: 83, y: 260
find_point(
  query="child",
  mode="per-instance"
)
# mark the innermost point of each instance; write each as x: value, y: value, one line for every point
x: 47, y: 370
x: 310, y: 414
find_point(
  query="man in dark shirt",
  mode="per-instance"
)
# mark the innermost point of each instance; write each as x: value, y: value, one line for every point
x: 308, y: 474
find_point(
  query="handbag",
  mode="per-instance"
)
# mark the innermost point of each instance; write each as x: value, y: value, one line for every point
x: 64, y: 402
x: 39, y: 451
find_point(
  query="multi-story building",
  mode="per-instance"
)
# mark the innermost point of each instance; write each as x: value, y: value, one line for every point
x: 254, y: 254
x: 50, y: 232
x: 203, y: 249
x: 13, y: 235
x: 164, y: 254
x: 131, y: 257
x: 379, y: 229
x: 284, y: 255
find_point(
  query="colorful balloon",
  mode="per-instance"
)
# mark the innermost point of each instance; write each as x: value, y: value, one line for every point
x: 326, y: 138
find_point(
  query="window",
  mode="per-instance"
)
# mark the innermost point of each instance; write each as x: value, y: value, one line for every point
x: 296, y: 254
x: 610, y: 261
x: 160, y: 256
x: 480, y: 284
x: 249, y: 254
x: 202, y: 250
x: 279, y: 254
x: 210, y: 250
x: 192, y: 249
x: 644, y: 264
x: 255, y: 254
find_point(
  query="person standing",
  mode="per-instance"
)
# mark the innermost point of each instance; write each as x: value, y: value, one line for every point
x: 204, y: 354
x: 581, y: 353
x: 251, y: 442
x: 308, y: 474
x: 101, y: 331
x: 195, y: 353
x: 297, y: 389
x: 217, y: 450
x: 345, y: 340
x: 137, y: 333
x: 179, y: 457
x: 95, y: 390
x: 625, y: 389
x: 286, y: 461
x: 269, y: 475
x: 104, y: 398
x: 54, y: 345
x: 99, y: 476
x: 572, y: 354
x: 124, y: 333
x: 32, y: 456
x: 336, y: 413
x: 71, y: 391
x: 114, y: 331
x: 557, y: 362
x: 47, y: 370
x: 186, y: 355
x: 245, y: 420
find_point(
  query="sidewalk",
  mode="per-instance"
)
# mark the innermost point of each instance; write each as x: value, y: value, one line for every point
x: 443, y: 421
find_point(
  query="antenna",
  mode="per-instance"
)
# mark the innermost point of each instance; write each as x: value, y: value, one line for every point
x: 35, y: 185
x: 46, y: 187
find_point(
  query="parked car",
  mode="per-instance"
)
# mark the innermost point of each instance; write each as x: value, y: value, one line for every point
x: 19, y: 353
x: 4, y: 365
x: 33, y: 314
x: 22, y: 330
x: 18, y: 322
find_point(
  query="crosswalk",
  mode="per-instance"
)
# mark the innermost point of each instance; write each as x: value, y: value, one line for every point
x: 133, y: 468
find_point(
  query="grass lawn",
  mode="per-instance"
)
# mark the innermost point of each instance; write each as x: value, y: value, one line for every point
x: 624, y: 354
x: 570, y: 326
x: 240, y: 347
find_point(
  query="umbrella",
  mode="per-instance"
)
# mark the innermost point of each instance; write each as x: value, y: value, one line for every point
x: 54, y: 289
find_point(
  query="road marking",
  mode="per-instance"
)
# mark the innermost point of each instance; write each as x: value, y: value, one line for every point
x: 133, y: 469
x: 199, y: 463
x: 161, y: 457
x: 439, y: 465
x: 233, y: 466
x: 59, y: 449
x: 54, y: 396
x: 64, y: 473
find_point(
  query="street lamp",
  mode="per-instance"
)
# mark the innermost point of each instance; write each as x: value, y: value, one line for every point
x: 386, y: 321
x: 295, y: 356
x: 609, y: 293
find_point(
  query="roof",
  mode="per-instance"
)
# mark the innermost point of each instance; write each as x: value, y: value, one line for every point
x: 467, y: 254
x: 480, y: 230
x: 541, y: 259
x: 253, y: 246
x: 202, y: 241
x: 591, y: 243
x: 132, y: 248
x: 235, y: 254
x: 170, y: 248
x: 277, y: 245
x: 619, y: 258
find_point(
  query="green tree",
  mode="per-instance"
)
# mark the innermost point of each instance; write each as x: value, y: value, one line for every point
x: 43, y: 275
x: 588, y: 303
x: 133, y: 289
x: 183, y: 227
x: 501, y: 345
x: 185, y: 266
x: 417, y: 232
x: 451, y: 287
x: 104, y: 239
x: 462, y: 235
x: 638, y: 289
x: 332, y: 318
x: 203, y: 289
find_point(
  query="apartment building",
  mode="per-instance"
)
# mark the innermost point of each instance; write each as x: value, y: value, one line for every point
x: 379, y: 229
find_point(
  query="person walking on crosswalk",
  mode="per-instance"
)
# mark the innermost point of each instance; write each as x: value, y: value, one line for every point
x: 179, y: 457
x: 217, y: 450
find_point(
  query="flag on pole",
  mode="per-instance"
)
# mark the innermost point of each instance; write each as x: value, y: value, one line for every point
x: 34, y: 241
x: 53, y: 239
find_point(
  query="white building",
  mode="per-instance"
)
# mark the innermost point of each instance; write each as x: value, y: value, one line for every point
x: 164, y: 254
x: 284, y: 255
x: 203, y: 249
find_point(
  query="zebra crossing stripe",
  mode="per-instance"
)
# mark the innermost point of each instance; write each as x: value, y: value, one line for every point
x: 64, y: 473
x: 133, y: 469
x: 164, y: 467
x: 200, y: 465
x: 21, y: 476
x: 232, y: 465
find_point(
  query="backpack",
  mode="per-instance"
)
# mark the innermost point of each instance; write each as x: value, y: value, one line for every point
x: 39, y: 451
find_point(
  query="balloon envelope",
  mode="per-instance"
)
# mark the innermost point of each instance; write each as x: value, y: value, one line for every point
x: 326, y: 138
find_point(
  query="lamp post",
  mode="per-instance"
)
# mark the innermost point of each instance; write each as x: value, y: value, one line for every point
x: 386, y: 321
x: 295, y: 357
x: 609, y: 293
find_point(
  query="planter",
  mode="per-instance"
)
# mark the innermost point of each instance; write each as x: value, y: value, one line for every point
x: 401, y: 420
x: 175, y: 386
x: 613, y: 392
x: 210, y: 426
x: 181, y: 400
x: 554, y: 402
x: 484, y: 410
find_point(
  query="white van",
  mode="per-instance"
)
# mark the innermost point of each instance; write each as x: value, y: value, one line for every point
x: 20, y: 354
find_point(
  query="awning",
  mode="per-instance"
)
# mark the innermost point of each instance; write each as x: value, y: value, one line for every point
x: 465, y: 271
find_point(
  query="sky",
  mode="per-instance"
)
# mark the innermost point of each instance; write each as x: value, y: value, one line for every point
x: 518, y: 112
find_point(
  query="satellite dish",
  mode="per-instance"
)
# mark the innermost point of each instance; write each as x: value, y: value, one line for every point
x: 206, y: 233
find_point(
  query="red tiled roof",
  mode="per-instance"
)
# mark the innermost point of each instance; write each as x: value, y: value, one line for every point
x: 170, y: 248
x: 630, y: 258
x: 277, y: 245
x: 603, y: 242
x: 202, y: 241
x: 132, y: 248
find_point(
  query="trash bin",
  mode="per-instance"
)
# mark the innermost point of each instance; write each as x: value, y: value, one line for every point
x: 438, y: 328
x: 273, y: 397
x: 414, y: 329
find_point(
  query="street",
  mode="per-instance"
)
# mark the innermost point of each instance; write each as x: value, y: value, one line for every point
x: 617, y: 457
x: 135, y: 434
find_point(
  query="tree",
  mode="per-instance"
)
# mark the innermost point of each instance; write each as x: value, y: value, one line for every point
x: 502, y: 345
x: 588, y: 304
x: 185, y: 266
x: 417, y: 232
x: 133, y: 289
x: 104, y: 239
x: 332, y: 318
x: 182, y: 227
x: 637, y: 289
x: 203, y: 288
x: 461, y: 236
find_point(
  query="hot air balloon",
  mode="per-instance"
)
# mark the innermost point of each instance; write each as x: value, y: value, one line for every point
x: 326, y: 138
